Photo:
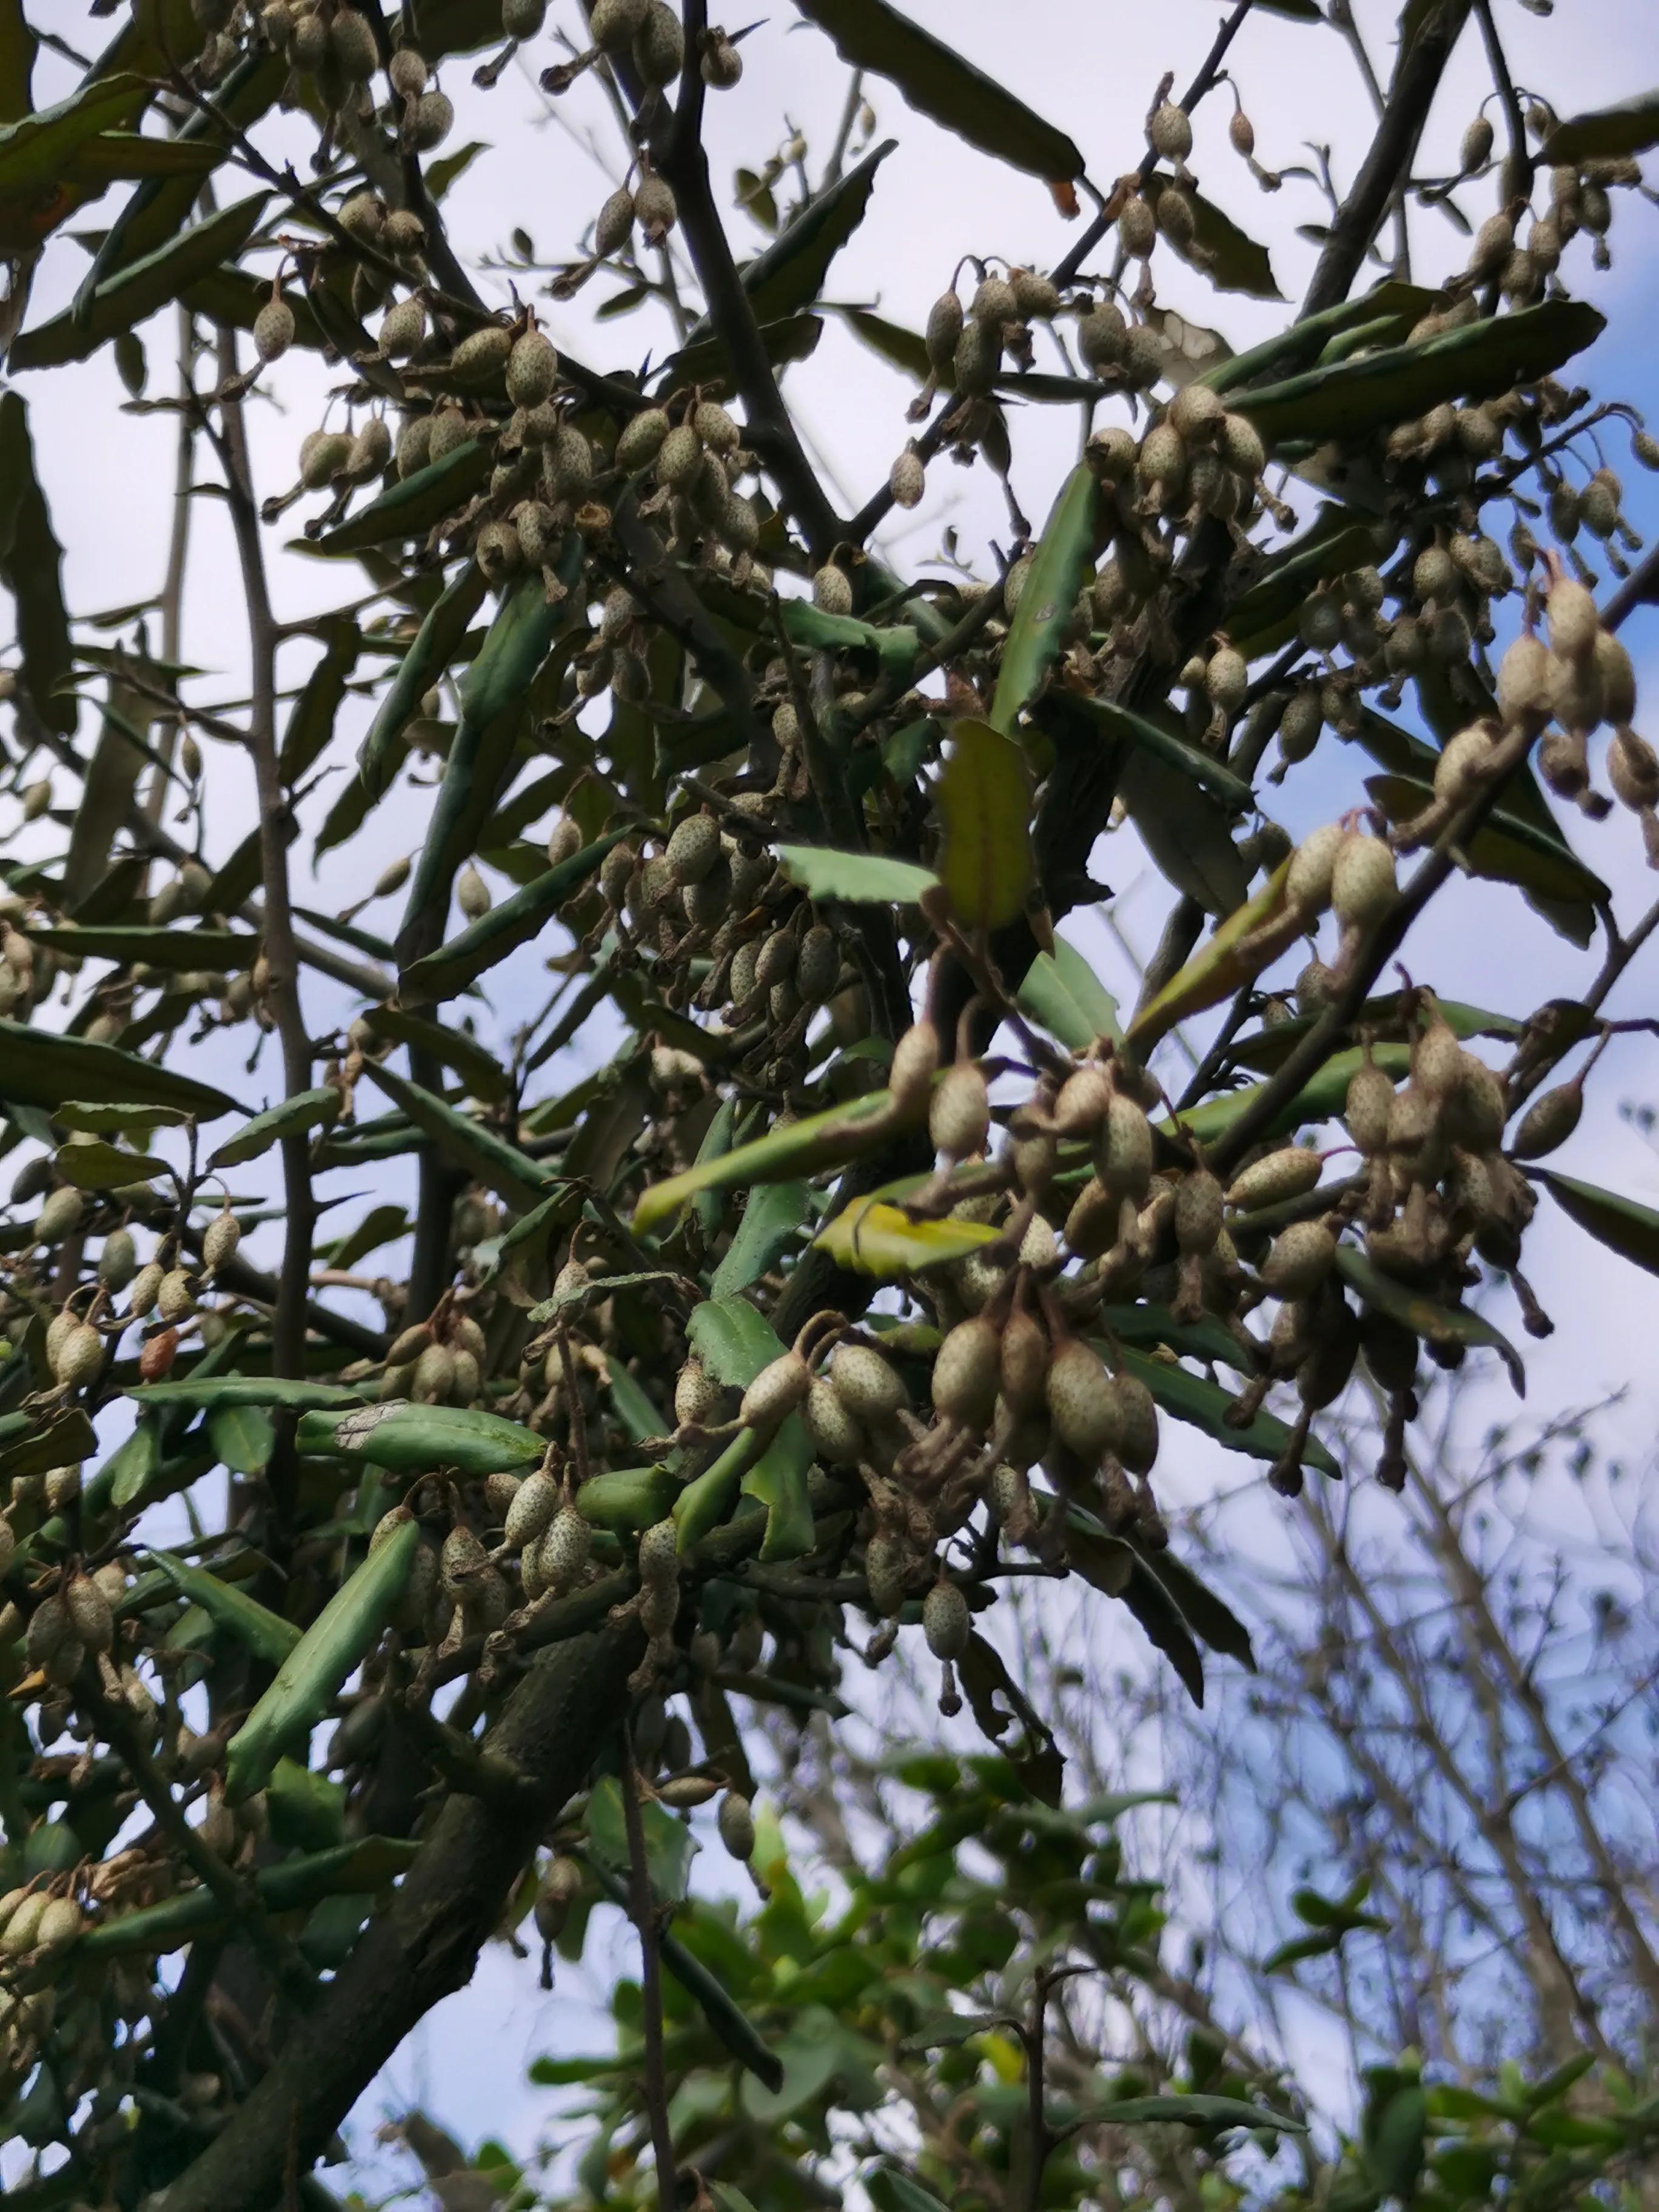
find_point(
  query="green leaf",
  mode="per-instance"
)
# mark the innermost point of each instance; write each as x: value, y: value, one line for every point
x: 770, y: 1220
x: 1623, y: 1224
x: 1265, y: 617
x: 242, y: 1436
x: 311, y: 724
x: 1352, y: 397
x: 1231, y: 955
x: 876, y: 1238
x: 100, y: 1166
x: 132, y: 294
x: 295, y: 1117
x: 1047, y: 598
x: 482, y: 1073
x: 936, y: 81
x: 444, y: 626
x: 1230, y: 257
x: 788, y: 275
x: 181, y: 951
x: 117, y: 763
x: 202, y: 1393
x: 413, y: 1439
x: 414, y: 504
x: 36, y: 148
x: 1063, y: 994
x: 984, y: 797
x: 867, y: 878
x: 38, y: 1067
x: 47, y: 1440
x: 816, y: 630
x: 1194, y: 2111
x: 1605, y: 134
x: 1203, y: 1405
x: 505, y: 927
x: 337, y: 1641
x: 31, y: 566
x: 890, y: 2191
x: 1395, y: 2153
x: 829, y: 1138
x: 1178, y: 751
x: 1212, y: 1620
x: 264, y: 1633
x: 669, y: 1844
x: 1185, y: 830
x: 511, y: 1173
x: 481, y: 752
x: 1300, y: 343
x: 733, y: 1339
x: 1434, y: 1323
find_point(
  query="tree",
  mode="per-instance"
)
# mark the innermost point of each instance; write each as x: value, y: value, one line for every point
x: 632, y: 1428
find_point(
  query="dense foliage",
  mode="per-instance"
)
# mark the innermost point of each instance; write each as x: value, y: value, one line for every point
x: 624, y: 1446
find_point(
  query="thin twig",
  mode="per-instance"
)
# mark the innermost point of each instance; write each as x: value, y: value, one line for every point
x: 281, y: 957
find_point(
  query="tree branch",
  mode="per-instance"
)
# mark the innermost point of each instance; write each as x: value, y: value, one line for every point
x: 1416, y: 80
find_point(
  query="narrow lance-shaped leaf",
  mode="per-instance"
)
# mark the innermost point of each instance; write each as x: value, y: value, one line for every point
x: 768, y: 1227
x: 1423, y: 1316
x: 788, y: 275
x: 31, y: 564
x: 128, y: 298
x: 337, y: 1641
x: 482, y: 1073
x: 264, y: 1633
x: 1046, y: 600
x: 824, y: 1139
x: 181, y: 951
x: 511, y: 1173
x: 1605, y: 134
x: 38, y: 1067
x: 411, y: 1439
x: 429, y: 654
x: 295, y: 1117
x: 813, y: 627
x: 477, y: 949
x: 874, y: 1238
x: 356, y: 1868
x: 936, y: 79
x: 1623, y: 1225
x: 1356, y: 396
x: 1234, y: 955
x: 1203, y: 1404
x: 1178, y: 751
x: 414, y: 504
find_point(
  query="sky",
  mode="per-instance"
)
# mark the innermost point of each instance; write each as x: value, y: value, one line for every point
x: 1093, y: 71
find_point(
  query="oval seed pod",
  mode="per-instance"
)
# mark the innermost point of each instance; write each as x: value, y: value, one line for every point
x: 776, y: 1393
x: 23, y: 1925
x: 884, y: 1575
x: 945, y: 1621
x: 916, y: 1061
x: 1363, y: 886
x: 49, y: 1625
x: 1549, y: 1120
x: 117, y: 1263
x: 1137, y: 1413
x: 1573, y: 621
x: 1308, y: 885
x: 534, y: 1505
x: 221, y: 1240
x: 79, y: 1357
x: 158, y: 1355
x: 1290, y: 1172
x: 660, y: 1556
x: 907, y: 480
x: 967, y: 1372
x: 837, y: 1439
x: 1137, y: 226
x: 1082, y: 1403
x: 1023, y: 1361
x: 959, y: 1114
x: 1198, y: 1209
x: 60, y: 1216
x: 1124, y: 1149
x: 694, y: 848
x: 817, y: 965
x: 89, y: 1615
x: 461, y: 1562
x: 869, y: 1388
x: 564, y: 1549
x: 1300, y: 1259
x: 697, y: 1395
x: 432, y: 122
x: 434, y: 1375
x: 832, y: 590
x: 945, y: 323
x: 736, y: 1823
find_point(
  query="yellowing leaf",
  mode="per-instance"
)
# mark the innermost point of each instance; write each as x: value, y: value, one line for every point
x: 985, y: 800
x: 1239, y: 949
x: 878, y: 1239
